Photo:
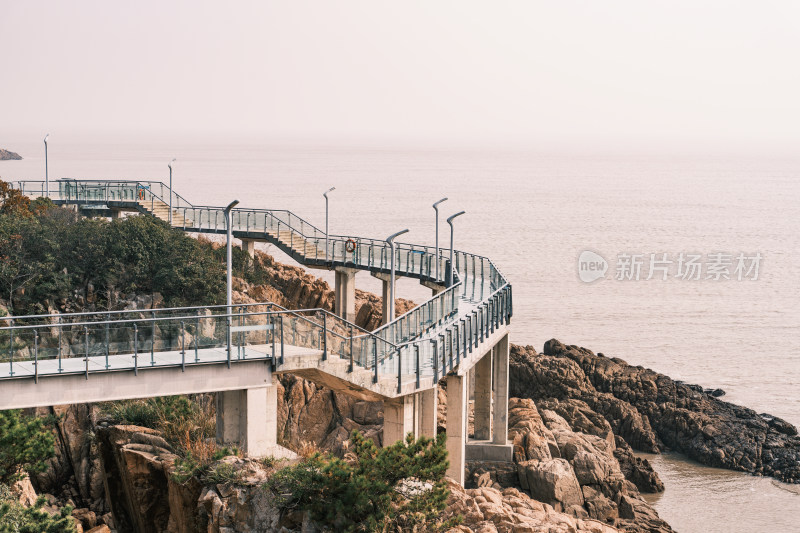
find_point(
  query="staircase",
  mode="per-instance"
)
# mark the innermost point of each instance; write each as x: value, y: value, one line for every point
x: 160, y: 210
x: 292, y: 241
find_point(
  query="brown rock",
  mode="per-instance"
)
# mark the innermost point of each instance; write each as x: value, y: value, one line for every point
x: 552, y: 481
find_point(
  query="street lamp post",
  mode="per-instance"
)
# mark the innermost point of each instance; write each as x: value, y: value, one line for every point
x: 436, y: 208
x: 170, y: 190
x: 390, y: 240
x: 46, y: 175
x: 452, y: 265
x: 229, y: 270
x: 325, y: 194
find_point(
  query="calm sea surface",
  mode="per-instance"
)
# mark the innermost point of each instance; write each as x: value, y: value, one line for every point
x: 534, y: 213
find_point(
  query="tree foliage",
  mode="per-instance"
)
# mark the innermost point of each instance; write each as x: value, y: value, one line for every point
x: 399, y: 487
x: 13, y: 202
x: 26, y: 443
x: 14, y: 518
x: 48, y: 253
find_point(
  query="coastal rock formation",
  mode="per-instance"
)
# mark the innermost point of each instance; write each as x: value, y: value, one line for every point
x: 6, y: 155
x: 495, y: 510
x: 650, y: 411
x: 578, y: 472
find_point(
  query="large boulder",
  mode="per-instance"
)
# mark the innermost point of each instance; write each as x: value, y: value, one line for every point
x: 489, y: 509
x: 552, y: 481
x: 532, y: 440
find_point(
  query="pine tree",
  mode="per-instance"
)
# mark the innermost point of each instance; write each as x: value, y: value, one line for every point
x: 26, y: 443
x: 400, y: 487
x: 17, y: 519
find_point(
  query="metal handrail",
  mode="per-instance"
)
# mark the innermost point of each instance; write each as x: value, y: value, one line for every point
x: 413, y: 327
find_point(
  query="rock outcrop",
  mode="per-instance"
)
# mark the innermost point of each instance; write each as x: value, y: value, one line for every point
x: 578, y: 472
x: 650, y: 412
x: 322, y: 418
x: 6, y: 155
x: 137, y: 463
x: 496, y: 510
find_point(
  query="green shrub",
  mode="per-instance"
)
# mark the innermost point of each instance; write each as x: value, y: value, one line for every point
x: 181, y: 421
x: 222, y: 473
x: 14, y: 518
x: 200, y: 467
x: 187, y: 468
x: 365, y: 494
x: 134, y: 412
x: 26, y: 443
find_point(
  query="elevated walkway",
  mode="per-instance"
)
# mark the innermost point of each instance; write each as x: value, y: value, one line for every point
x: 130, y: 354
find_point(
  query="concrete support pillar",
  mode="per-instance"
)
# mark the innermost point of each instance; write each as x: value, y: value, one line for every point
x: 386, y: 295
x: 500, y: 351
x: 345, y: 293
x: 229, y: 404
x: 398, y: 418
x: 457, y: 405
x: 249, y: 419
x: 483, y: 398
x: 115, y: 214
x: 249, y: 246
x: 427, y: 410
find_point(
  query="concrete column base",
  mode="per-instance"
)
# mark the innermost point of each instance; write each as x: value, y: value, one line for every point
x: 488, y: 451
x: 248, y: 419
x: 398, y: 419
x: 249, y: 246
x: 457, y: 405
x: 345, y: 293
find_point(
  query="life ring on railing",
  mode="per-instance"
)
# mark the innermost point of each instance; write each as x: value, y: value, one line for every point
x: 141, y: 193
x: 350, y: 245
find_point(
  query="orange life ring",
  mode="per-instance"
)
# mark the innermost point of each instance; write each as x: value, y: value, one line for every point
x: 350, y: 245
x: 141, y: 193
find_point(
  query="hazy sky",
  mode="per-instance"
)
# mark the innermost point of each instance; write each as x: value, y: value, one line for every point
x: 704, y: 72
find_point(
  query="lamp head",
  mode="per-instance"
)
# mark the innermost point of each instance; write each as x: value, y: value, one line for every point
x: 436, y: 204
x: 170, y: 163
x: 451, y: 217
x: 391, y: 237
x: 45, y: 138
x: 232, y: 205
x: 325, y: 194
